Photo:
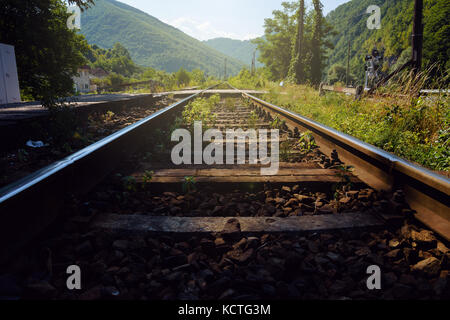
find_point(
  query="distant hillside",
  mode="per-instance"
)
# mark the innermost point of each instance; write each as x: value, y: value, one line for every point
x: 240, y: 50
x: 150, y: 42
x: 350, y: 22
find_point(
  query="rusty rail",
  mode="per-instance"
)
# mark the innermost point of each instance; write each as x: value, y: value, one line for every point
x: 426, y: 192
x: 30, y: 205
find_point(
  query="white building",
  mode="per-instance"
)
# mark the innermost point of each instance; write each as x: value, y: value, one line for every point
x: 9, y: 80
x: 83, y: 83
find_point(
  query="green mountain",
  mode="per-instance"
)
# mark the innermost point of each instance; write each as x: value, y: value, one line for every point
x: 240, y: 50
x: 150, y: 42
x: 350, y: 23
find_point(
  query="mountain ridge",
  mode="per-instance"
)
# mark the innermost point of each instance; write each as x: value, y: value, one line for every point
x: 241, y: 50
x: 164, y: 47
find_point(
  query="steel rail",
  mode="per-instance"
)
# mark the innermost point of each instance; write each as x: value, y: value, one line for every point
x: 30, y: 205
x: 426, y: 192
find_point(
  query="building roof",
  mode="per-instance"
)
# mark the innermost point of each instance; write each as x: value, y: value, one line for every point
x: 99, y: 72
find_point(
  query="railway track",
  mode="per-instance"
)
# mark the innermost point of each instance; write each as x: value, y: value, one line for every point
x: 144, y: 228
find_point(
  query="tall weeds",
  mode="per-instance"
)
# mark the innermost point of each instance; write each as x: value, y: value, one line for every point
x: 412, y: 127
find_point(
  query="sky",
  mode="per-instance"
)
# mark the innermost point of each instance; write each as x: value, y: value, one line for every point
x: 208, y: 19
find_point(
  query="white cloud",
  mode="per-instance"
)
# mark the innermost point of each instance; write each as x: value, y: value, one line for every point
x: 204, y: 30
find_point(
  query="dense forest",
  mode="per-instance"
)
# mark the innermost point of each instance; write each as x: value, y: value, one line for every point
x: 350, y: 23
x: 150, y: 42
x: 117, y: 59
x: 346, y: 25
x: 121, y: 69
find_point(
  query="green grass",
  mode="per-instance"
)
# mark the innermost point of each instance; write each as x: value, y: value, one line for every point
x: 417, y: 129
x: 201, y: 109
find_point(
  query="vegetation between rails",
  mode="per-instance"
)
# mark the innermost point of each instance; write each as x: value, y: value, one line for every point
x: 201, y: 109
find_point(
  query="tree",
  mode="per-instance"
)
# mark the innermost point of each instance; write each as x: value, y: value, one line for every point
x: 198, y: 76
x: 337, y: 73
x: 182, y: 77
x: 121, y: 61
x: 117, y: 60
x: 300, y: 58
x: 319, y: 44
x: 83, y: 4
x: 276, y: 46
x: 437, y: 33
x: 115, y: 80
x: 296, y: 70
x: 48, y: 54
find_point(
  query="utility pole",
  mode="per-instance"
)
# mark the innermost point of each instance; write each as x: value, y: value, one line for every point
x: 254, y: 63
x: 417, y: 36
x: 225, y: 69
x: 348, y: 65
x: 417, y: 46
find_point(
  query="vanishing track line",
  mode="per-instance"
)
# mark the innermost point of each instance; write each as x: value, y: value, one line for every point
x: 144, y: 228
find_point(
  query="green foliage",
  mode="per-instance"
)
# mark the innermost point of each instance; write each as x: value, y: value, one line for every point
x: 116, y: 60
x: 109, y: 116
x: 182, y: 77
x: 253, y: 120
x: 147, y: 178
x: 230, y: 104
x: 318, y: 44
x: 197, y: 77
x: 115, y: 80
x: 350, y: 22
x: 295, y: 43
x: 130, y: 184
x: 437, y: 33
x: 245, y: 79
x: 201, y: 109
x: 189, y: 184
x: 296, y: 73
x: 275, y: 46
x: 285, y: 150
x: 306, y: 143
x: 337, y: 73
x: 83, y: 4
x: 122, y: 70
x: 151, y: 43
x: 277, y: 123
x: 344, y: 173
x: 417, y: 129
x: 48, y: 54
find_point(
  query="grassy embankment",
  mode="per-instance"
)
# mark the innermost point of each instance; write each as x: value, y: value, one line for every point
x: 417, y: 129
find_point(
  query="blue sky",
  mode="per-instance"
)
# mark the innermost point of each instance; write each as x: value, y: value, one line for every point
x: 207, y: 19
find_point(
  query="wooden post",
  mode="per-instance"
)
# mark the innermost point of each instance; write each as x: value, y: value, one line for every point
x: 417, y: 36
